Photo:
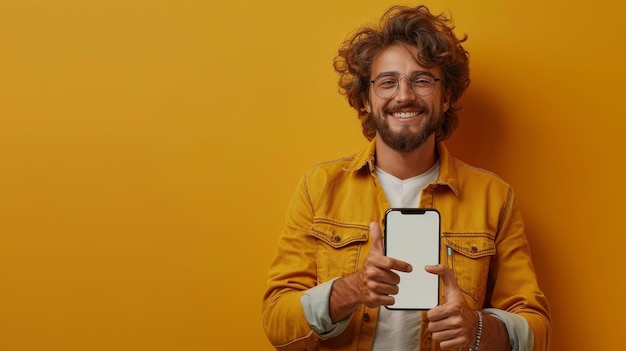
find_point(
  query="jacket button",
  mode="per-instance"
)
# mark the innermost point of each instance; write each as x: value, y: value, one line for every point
x: 366, y: 317
x: 337, y: 238
x: 474, y: 249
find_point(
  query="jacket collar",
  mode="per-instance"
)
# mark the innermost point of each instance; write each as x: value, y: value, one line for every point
x: 447, y: 164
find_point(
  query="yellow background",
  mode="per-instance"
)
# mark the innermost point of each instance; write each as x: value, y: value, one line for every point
x: 148, y: 150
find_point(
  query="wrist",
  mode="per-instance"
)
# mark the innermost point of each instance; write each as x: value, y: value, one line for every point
x: 479, y: 332
x: 342, y: 299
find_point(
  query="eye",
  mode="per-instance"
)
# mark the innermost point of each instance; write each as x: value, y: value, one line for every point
x: 422, y: 81
x: 387, y: 83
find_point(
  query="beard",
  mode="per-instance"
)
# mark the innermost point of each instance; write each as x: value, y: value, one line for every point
x: 406, y: 140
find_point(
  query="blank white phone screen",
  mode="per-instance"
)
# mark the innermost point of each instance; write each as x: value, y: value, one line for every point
x: 412, y: 235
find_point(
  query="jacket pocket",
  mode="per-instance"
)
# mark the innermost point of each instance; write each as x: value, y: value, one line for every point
x: 338, y: 247
x: 470, y: 261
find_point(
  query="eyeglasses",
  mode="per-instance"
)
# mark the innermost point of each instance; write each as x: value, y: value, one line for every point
x: 387, y: 86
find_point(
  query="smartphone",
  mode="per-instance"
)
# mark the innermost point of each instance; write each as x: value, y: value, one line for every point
x: 412, y: 235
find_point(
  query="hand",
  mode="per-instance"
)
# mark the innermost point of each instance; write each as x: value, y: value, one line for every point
x: 371, y: 285
x: 454, y: 323
x: 376, y: 279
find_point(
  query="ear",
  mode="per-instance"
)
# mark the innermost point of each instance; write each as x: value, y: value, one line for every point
x: 367, y: 105
x: 446, y: 101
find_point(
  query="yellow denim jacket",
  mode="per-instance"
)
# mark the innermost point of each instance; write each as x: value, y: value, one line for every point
x: 326, y: 235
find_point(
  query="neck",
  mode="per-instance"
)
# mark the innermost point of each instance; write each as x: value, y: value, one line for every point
x: 406, y: 165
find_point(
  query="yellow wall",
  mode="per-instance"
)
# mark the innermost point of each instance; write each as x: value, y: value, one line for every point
x: 148, y: 150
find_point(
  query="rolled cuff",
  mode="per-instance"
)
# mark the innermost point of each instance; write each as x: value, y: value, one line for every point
x: 520, y: 334
x: 316, y: 305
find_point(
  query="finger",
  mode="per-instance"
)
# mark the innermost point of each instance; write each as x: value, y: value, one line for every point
x: 377, y: 239
x: 378, y: 248
x: 389, y: 262
x: 400, y: 266
x: 450, y: 286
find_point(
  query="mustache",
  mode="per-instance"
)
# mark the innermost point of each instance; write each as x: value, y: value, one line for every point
x: 410, y: 105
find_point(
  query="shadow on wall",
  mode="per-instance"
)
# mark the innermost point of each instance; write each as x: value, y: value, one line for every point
x: 488, y: 138
x: 480, y: 136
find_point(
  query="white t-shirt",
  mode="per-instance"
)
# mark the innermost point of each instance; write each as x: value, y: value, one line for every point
x: 400, y: 330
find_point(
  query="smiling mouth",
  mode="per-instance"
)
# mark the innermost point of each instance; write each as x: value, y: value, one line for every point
x: 405, y: 115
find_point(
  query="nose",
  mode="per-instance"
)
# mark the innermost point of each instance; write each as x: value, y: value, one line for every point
x: 405, y: 93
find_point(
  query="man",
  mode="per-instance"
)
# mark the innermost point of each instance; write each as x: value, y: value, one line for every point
x: 330, y: 276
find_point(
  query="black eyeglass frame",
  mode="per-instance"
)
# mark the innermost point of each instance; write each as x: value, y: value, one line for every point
x: 373, y: 81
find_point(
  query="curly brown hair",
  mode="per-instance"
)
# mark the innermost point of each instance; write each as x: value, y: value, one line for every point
x: 437, y: 46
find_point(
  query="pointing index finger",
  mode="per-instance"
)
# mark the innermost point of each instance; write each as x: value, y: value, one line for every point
x: 378, y: 248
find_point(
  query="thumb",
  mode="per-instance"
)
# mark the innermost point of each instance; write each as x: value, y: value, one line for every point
x: 452, y: 292
x: 376, y: 236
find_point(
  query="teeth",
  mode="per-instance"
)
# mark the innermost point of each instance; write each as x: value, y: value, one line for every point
x: 405, y: 114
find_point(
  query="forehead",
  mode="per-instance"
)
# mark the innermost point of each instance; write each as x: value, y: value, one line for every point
x: 400, y: 59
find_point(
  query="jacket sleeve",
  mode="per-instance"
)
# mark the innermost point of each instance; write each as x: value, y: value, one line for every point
x: 292, y: 272
x: 512, y: 275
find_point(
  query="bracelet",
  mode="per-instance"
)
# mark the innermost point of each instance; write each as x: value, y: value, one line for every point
x: 479, y: 330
